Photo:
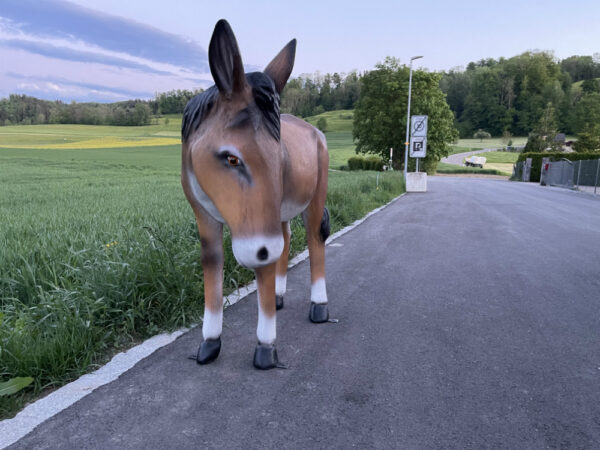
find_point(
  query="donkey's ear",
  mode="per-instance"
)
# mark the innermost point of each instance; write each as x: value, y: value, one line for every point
x: 225, y: 59
x: 281, y: 67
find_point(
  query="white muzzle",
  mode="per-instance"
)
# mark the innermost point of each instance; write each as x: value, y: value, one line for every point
x: 257, y: 251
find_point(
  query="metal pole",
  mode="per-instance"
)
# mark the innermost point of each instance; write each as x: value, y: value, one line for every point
x: 406, y: 143
x: 578, y: 172
x: 596, y: 182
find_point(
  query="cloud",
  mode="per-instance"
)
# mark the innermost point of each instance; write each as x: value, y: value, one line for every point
x: 60, y: 19
x: 58, y: 50
x: 71, y: 54
x: 63, y: 85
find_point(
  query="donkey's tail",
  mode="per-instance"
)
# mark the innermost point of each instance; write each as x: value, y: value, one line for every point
x: 325, y: 226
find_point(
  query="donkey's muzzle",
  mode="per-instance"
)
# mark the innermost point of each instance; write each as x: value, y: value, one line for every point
x: 257, y: 251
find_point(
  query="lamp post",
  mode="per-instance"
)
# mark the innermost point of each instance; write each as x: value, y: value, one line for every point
x: 406, y: 143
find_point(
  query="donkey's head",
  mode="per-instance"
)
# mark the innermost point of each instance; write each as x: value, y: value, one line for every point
x: 233, y: 131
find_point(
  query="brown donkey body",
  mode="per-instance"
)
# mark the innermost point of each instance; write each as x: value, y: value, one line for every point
x: 247, y: 166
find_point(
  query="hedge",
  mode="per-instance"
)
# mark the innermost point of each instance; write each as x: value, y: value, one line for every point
x: 369, y: 163
x: 536, y: 160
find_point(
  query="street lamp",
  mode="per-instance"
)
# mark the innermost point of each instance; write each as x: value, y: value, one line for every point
x: 406, y: 143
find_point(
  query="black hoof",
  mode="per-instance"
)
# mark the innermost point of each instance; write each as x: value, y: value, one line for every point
x: 279, y: 302
x: 265, y: 357
x: 319, y: 312
x: 208, y: 351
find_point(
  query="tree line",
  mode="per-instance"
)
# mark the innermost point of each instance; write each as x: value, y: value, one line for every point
x: 501, y: 97
x: 26, y: 110
x: 309, y: 95
x: 511, y: 96
x: 304, y: 96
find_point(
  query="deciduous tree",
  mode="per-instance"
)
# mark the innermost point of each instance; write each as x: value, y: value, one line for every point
x: 380, y: 113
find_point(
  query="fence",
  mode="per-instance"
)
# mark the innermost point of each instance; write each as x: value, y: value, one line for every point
x: 558, y: 173
x: 583, y: 175
x: 587, y: 175
x: 522, y: 170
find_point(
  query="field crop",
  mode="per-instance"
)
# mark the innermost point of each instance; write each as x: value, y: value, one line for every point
x: 99, y: 249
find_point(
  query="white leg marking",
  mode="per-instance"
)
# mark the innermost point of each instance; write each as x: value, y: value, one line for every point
x: 266, y: 329
x: 280, y: 284
x: 318, y: 291
x: 212, y: 324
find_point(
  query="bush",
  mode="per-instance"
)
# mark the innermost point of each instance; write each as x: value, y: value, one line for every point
x: 481, y: 134
x: 536, y: 160
x: 322, y: 124
x: 371, y: 162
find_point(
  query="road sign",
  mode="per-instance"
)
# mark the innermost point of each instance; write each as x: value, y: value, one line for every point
x: 418, y: 126
x: 418, y: 147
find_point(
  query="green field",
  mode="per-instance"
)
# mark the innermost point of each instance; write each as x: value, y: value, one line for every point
x: 341, y: 148
x: 501, y: 157
x: 339, y: 136
x: 91, y: 136
x: 72, y: 137
x: 99, y: 249
x: 502, y: 162
x: 468, y: 145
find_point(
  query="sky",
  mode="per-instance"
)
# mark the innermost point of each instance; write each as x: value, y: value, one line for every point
x: 112, y: 50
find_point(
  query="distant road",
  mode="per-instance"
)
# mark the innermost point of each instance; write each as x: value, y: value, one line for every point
x: 457, y: 158
x: 468, y: 318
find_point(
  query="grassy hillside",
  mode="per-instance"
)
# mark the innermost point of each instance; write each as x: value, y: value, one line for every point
x: 339, y: 135
x: 340, y: 120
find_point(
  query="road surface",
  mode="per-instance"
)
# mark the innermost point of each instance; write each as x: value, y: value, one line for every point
x: 469, y: 317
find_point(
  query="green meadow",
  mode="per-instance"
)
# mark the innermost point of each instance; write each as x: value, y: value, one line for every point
x: 339, y: 136
x: 99, y: 247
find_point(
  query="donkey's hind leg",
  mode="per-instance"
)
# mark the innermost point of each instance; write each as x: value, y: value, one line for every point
x: 316, y: 222
x: 282, y: 263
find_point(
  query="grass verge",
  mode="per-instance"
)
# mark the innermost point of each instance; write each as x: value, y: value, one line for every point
x: 99, y: 250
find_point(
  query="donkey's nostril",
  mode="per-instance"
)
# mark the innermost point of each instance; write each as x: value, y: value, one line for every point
x: 262, y: 254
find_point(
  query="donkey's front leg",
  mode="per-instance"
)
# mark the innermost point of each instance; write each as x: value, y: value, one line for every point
x: 211, y: 238
x: 265, y: 356
x: 282, y: 266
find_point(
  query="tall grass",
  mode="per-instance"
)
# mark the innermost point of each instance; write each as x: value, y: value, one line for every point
x: 99, y: 249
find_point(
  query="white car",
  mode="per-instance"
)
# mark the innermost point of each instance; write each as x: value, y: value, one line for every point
x: 475, y: 161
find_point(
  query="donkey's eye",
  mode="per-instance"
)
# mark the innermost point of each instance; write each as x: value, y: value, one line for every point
x: 233, y: 160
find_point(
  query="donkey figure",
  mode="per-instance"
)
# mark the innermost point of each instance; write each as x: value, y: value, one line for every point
x: 247, y: 166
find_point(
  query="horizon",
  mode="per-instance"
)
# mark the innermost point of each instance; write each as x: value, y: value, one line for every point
x: 107, y: 51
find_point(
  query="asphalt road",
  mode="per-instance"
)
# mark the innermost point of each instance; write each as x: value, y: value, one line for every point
x: 469, y: 317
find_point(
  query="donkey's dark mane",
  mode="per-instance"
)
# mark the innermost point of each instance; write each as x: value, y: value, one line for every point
x: 265, y: 96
